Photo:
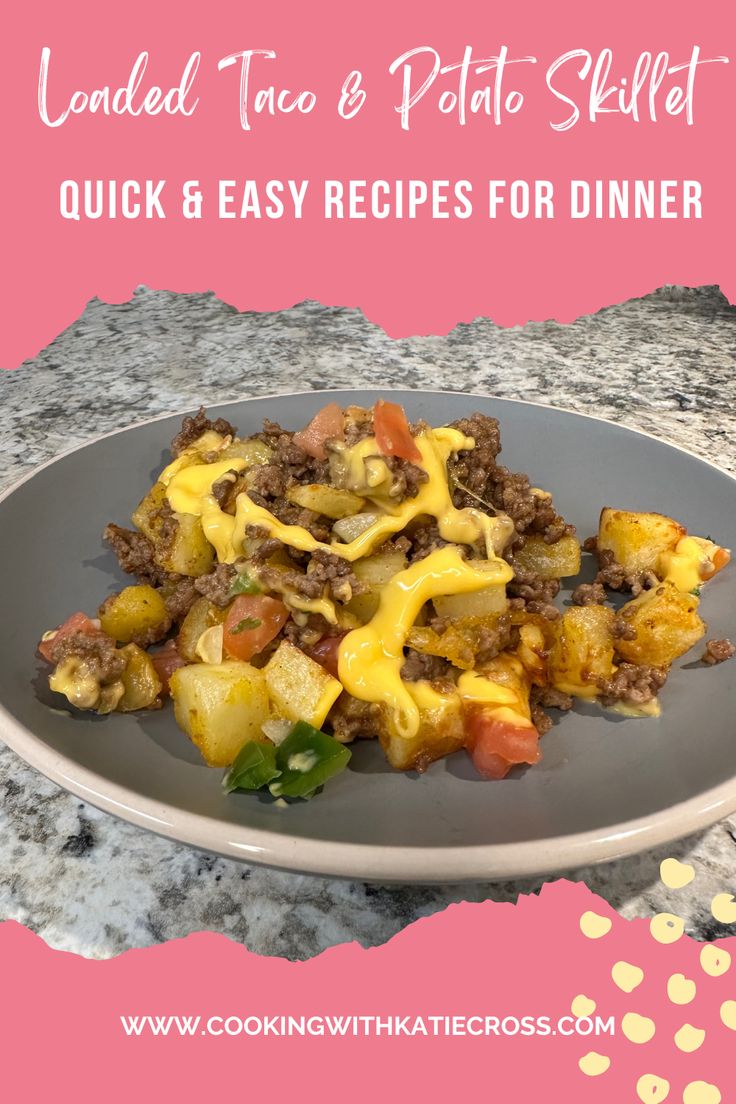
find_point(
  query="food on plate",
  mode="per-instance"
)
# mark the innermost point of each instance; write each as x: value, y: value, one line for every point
x: 368, y: 578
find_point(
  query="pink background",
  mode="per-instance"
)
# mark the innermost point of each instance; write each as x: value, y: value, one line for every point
x: 419, y: 277
x: 59, y: 1016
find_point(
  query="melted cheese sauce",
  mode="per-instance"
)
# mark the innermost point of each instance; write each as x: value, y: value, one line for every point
x: 189, y: 491
x: 690, y: 564
x: 626, y: 709
x: 371, y: 657
x: 210, y: 441
x: 434, y: 499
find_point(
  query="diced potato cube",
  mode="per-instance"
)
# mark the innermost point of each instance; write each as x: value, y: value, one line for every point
x: 441, y: 730
x: 491, y: 600
x: 137, y: 612
x: 374, y: 572
x: 364, y: 606
x: 667, y: 625
x: 202, y: 615
x: 220, y: 706
x: 142, y: 685
x: 189, y: 552
x: 332, y: 502
x: 637, y: 540
x: 146, y: 516
x: 549, y: 561
x: 299, y: 688
x: 582, y: 651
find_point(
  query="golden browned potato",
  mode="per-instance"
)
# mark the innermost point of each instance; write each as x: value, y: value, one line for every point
x: 666, y: 622
x: 582, y: 651
x: 136, y: 613
x: 637, y: 540
x: 220, y: 706
x: 147, y: 516
x: 300, y: 689
x: 441, y: 730
x: 549, y: 561
x: 332, y: 502
x: 141, y: 684
x: 182, y: 547
x: 188, y: 552
x: 374, y: 572
x: 491, y: 600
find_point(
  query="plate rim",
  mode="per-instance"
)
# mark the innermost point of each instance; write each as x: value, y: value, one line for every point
x: 371, y: 862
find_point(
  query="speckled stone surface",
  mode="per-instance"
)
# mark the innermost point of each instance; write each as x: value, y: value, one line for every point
x: 91, y: 884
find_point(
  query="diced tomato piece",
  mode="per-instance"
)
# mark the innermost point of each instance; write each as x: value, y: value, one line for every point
x: 496, y: 746
x: 165, y: 662
x: 77, y: 623
x: 325, y: 652
x: 252, y: 622
x: 391, y: 429
x: 327, y: 425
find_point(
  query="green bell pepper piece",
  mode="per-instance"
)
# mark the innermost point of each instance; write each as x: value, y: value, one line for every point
x: 254, y: 767
x: 306, y: 760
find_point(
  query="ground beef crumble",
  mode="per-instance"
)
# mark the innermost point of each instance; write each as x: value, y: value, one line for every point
x: 296, y: 465
x: 425, y: 539
x: 475, y: 470
x: 135, y: 553
x: 335, y: 574
x: 354, y: 720
x: 97, y: 650
x: 179, y: 593
x: 621, y: 629
x: 227, y: 489
x: 289, y: 514
x: 307, y: 630
x: 217, y: 586
x: 471, y: 466
x: 614, y: 576
x: 546, y: 697
x: 632, y: 684
x: 407, y: 478
x: 194, y: 426
x: 718, y: 651
x: 529, y: 592
x: 419, y: 665
x: 589, y: 594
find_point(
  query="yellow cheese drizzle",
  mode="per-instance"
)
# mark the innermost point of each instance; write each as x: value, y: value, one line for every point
x: 458, y: 526
x: 189, y: 491
x: 371, y: 657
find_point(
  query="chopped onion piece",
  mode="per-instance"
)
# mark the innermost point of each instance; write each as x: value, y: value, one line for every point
x: 349, y: 528
x: 209, y: 645
x: 277, y: 729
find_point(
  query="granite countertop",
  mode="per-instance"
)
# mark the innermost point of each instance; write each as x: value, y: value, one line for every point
x: 95, y: 885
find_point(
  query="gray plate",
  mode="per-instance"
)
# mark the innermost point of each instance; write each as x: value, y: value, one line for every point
x: 605, y: 787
